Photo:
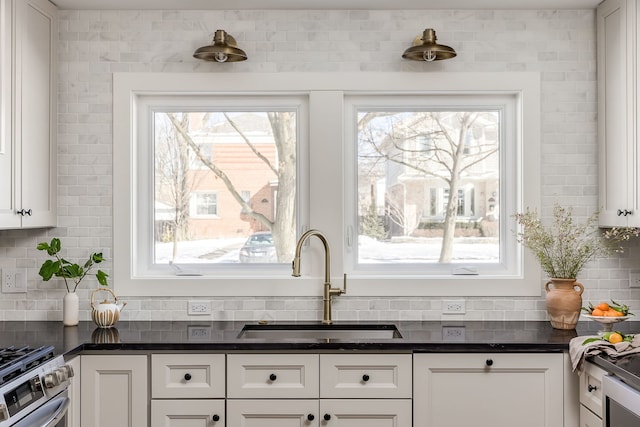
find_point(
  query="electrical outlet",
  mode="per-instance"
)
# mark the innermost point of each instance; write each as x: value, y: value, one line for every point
x: 199, y: 307
x: 634, y: 280
x: 14, y: 280
x: 453, y: 333
x: 199, y: 333
x: 453, y: 307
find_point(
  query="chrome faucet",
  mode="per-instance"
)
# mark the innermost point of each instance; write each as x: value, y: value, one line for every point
x: 328, y: 290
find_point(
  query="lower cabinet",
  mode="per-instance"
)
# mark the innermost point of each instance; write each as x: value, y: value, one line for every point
x: 325, y: 412
x: 307, y: 390
x: 114, y: 391
x: 356, y: 389
x: 188, y: 390
x: 488, y: 389
x: 591, y: 395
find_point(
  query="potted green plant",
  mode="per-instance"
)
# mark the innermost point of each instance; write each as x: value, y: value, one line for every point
x: 563, y: 249
x: 58, y: 266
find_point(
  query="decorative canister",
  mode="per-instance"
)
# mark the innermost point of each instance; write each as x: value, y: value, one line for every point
x: 106, y: 313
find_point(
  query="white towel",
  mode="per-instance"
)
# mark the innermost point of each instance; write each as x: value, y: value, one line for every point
x: 578, y: 352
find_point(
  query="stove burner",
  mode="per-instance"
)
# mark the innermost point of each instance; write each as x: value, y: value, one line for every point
x: 16, y: 361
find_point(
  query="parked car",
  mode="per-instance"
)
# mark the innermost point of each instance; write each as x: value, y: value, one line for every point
x: 259, y: 248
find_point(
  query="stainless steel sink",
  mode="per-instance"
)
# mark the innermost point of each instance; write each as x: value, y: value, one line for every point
x: 320, y: 332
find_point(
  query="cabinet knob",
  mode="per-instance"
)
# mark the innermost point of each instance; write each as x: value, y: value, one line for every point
x: 310, y: 417
x: 365, y: 378
x: 187, y: 376
x: 273, y: 377
x: 591, y: 388
x: 215, y: 417
x: 24, y: 212
x: 327, y: 417
x: 488, y: 362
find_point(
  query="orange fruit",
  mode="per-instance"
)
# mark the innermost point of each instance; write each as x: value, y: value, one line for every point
x: 603, y: 306
x: 597, y: 312
x: 615, y: 338
x: 615, y: 313
x: 609, y: 313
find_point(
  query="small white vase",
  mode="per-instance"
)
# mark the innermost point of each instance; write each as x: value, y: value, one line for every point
x: 70, y: 309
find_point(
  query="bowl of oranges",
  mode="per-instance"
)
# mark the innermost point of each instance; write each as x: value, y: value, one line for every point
x: 607, y: 314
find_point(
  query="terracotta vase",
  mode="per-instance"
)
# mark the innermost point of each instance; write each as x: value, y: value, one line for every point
x: 564, y: 302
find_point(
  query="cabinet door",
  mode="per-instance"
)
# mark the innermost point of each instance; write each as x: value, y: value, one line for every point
x: 187, y: 413
x: 365, y: 375
x: 616, y: 104
x: 366, y: 412
x: 488, y: 389
x: 35, y: 110
x: 28, y: 153
x: 589, y: 419
x: 272, y: 413
x: 114, y: 391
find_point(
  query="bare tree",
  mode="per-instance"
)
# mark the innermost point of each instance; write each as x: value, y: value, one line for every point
x: 447, y: 157
x: 283, y: 128
x: 171, y: 169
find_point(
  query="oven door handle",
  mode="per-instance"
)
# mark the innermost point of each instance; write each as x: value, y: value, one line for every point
x: 47, y: 415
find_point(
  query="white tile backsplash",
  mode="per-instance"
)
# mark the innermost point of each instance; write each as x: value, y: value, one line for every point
x: 560, y: 45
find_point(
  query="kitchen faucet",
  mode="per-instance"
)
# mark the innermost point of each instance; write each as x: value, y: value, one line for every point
x: 328, y: 290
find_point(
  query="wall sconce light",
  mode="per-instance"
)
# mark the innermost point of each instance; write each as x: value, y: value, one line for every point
x: 425, y: 48
x: 223, y: 48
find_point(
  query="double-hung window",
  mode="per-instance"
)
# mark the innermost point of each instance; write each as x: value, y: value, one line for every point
x: 414, y: 187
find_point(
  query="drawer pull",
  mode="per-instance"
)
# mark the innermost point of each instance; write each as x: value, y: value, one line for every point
x: 215, y: 417
x: 488, y: 362
x: 591, y: 388
x: 310, y: 417
x: 187, y: 376
x: 273, y: 377
x: 365, y: 378
x: 327, y: 417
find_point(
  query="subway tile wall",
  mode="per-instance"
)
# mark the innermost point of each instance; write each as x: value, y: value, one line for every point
x: 559, y: 44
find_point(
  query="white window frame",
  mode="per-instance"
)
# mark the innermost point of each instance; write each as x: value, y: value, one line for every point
x: 193, y: 205
x: 325, y: 209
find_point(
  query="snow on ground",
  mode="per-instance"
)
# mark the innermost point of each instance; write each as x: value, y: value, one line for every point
x: 370, y: 251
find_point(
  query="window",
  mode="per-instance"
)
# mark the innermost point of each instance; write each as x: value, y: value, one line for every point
x: 373, y: 165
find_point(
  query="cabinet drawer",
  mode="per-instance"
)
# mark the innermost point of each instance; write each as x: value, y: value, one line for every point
x: 178, y: 413
x: 589, y: 419
x: 187, y: 376
x: 591, y: 388
x: 273, y: 413
x: 272, y: 376
x: 365, y: 375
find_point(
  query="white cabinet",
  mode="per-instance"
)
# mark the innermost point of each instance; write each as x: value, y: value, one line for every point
x: 618, y: 109
x: 188, y: 390
x: 73, y: 414
x: 28, y: 163
x: 341, y: 390
x: 114, y: 390
x: 591, y: 399
x: 488, y: 389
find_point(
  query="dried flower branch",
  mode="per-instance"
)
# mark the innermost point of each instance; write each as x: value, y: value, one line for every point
x: 566, y: 247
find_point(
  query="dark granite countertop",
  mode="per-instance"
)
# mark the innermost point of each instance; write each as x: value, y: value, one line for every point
x: 417, y: 336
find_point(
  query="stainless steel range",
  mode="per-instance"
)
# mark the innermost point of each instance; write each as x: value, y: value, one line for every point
x: 33, y: 387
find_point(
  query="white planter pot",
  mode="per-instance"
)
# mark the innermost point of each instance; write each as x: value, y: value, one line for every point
x: 70, y: 309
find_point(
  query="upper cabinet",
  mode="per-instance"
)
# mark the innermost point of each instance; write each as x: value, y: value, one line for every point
x: 618, y: 97
x: 28, y: 163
